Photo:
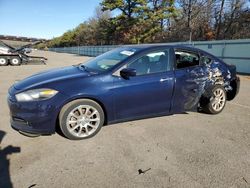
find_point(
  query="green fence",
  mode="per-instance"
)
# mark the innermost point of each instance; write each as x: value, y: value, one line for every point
x: 85, y: 50
x: 235, y: 52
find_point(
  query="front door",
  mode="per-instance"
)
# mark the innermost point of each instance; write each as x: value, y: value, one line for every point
x: 150, y: 91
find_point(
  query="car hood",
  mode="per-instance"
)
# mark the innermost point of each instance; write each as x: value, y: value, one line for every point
x: 49, y: 76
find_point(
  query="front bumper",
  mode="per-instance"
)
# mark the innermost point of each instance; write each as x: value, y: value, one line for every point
x: 38, y: 117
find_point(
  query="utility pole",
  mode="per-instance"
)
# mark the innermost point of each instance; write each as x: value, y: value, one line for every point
x: 219, y: 22
x: 189, y: 20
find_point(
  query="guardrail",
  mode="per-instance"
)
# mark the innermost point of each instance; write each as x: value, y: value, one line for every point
x: 235, y: 52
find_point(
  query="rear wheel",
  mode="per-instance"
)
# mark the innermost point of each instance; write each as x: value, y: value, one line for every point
x: 81, y: 119
x: 3, y: 61
x: 15, y: 61
x: 215, y: 100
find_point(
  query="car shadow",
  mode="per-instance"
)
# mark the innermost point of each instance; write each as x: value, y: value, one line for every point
x: 5, y: 180
x: 59, y: 131
x: 142, y: 118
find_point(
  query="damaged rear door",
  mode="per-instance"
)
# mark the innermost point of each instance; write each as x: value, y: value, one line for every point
x: 190, y: 79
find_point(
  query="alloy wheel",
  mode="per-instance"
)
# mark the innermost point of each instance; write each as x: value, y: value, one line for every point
x: 219, y: 99
x: 83, y: 121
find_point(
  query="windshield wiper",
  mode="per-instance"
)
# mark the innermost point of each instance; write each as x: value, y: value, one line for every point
x: 83, y: 67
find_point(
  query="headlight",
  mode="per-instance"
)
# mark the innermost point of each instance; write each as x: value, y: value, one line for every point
x: 36, y: 94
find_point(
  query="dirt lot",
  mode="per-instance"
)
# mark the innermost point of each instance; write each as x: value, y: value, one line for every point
x: 185, y: 150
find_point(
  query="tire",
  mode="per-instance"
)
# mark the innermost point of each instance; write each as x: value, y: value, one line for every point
x: 214, y: 100
x: 3, y: 61
x: 81, y: 119
x: 15, y: 61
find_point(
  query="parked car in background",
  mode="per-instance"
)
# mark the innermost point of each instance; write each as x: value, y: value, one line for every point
x: 127, y: 83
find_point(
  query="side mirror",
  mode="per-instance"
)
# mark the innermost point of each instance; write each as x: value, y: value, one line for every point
x: 127, y: 72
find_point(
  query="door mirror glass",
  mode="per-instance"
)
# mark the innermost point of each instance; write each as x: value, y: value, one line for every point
x: 127, y: 72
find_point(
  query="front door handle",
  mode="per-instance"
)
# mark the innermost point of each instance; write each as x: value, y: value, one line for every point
x: 165, y: 79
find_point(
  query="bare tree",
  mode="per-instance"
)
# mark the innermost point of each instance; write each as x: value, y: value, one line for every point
x: 219, y: 19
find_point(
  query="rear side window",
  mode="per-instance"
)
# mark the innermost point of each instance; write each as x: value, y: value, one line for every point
x: 186, y: 59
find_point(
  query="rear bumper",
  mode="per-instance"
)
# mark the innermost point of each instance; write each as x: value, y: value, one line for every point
x: 235, y: 85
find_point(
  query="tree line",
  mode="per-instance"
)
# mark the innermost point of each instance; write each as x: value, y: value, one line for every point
x: 156, y: 21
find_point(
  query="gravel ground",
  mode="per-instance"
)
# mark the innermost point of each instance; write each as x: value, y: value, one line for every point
x: 184, y: 150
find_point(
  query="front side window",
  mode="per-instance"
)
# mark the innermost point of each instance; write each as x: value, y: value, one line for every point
x: 186, y: 59
x: 152, y: 62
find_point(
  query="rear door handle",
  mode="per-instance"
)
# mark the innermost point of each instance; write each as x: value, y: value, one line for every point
x: 165, y: 79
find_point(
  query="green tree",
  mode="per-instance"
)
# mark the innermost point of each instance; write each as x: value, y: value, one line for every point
x: 139, y: 21
x: 148, y: 21
x: 157, y: 18
x: 130, y: 11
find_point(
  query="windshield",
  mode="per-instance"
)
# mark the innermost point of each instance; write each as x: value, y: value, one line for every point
x: 109, y: 59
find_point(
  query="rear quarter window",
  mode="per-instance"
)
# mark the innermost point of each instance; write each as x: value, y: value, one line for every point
x: 206, y: 60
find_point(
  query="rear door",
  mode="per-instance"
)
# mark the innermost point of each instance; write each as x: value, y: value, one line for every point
x: 150, y: 91
x: 190, y: 80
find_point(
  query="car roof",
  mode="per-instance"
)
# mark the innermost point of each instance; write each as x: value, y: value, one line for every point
x: 144, y: 47
x: 151, y: 46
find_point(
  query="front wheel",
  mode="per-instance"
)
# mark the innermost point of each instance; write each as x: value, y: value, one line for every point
x: 216, y: 100
x: 81, y: 119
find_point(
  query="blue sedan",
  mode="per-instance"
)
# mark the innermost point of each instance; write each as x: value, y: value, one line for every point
x: 127, y: 83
